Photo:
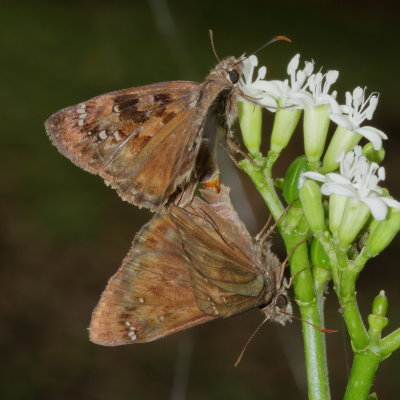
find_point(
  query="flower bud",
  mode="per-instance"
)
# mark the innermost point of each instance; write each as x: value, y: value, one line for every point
x: 382, y: 233
x: 285, y: 123
x: 377, y: 320
x: 337, y: 205
x: 311, y: 201
x: 380, y: 304
x: 373, y: 155
x: 354, y: 218
x: 250, y: 120
x: 316, y: 125
x: 343, y: 140
x: 292, y: 180
x: 318, y: 255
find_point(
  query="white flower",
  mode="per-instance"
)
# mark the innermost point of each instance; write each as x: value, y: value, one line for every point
x: 249, y: 88
x: 356, y: 110
x: 358, y: 179
x: 318, y: 86
x: 290, y: 93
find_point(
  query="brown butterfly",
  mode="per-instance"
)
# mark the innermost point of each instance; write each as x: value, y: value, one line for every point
x: 189, y: 266
x: 149, y: 141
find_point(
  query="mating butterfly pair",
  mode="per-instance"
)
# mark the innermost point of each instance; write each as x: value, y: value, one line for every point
x: 194, y: 261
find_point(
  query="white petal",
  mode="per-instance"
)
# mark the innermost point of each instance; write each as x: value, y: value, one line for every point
x: 391, y: 202
x: 266, y: 101
x: 274, y: 88
x: 373, y: 102
x: 293, y: 64
x: 309, y: 67
x: 374, y: 135
x: 341, y: 190
x: 377, y: 206
x: 342, y: 121
x: 253, y: 60
x: 337, y: 178
x: 315, y: 175
x: 332, y: 75
x: 262, y: 72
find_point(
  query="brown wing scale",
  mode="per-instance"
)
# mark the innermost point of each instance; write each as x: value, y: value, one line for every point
x: 151, y: 295
x: 225, y: 276
x: 122, y: 136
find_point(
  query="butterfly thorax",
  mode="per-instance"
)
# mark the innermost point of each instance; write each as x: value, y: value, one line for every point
x: 222, y: 81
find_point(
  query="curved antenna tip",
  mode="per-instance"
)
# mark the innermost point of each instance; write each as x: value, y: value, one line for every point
x: 285, y: 38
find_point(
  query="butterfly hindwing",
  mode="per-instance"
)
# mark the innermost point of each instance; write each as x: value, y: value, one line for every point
x: 225, y: 277
x: 151, y: 295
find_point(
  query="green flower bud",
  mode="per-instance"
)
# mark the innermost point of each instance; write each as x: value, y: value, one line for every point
x: 250, y: 120
x: 373, y: 155
x: 354, y: 218
x: 382, y: 233
x: 311, y: 201
x: 321, y: 265
x: 285, y: 123
x: 337, y: 205
x: 318, y: 255
x: 342, y: 140
x: 316, y: 125
x: 292, y: 179
x: 377, y: 320
x: 380, y: 304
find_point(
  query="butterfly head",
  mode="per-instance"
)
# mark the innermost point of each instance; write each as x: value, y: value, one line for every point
x: 279, y: 308
x: 230, y: 69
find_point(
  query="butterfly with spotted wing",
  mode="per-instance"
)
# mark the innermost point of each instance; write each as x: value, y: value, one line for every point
x: 186, y: 267
x: 150, y: 141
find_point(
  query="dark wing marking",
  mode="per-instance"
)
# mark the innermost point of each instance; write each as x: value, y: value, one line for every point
x: 125, y: 136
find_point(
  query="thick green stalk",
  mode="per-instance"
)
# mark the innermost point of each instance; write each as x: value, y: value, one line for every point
x: 348, y: 301
x: 362, y: 375
x: 314, y: 341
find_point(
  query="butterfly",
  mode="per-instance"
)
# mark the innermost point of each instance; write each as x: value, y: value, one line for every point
x: 148, y: 142
x: 188, y: 266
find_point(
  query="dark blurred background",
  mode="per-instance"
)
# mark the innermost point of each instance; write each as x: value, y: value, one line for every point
x: 64, y: 233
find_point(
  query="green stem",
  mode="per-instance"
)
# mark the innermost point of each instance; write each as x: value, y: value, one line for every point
x: 308, y: 303
x: 390, y: 343
x: 267, y: 191
x: 314, y: 340
x: 362, y: 375
x: 348, y: 301
x: 344, y: 275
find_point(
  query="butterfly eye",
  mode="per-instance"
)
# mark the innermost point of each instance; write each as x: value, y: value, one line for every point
x: 233, y: 76
x: 281, y: 302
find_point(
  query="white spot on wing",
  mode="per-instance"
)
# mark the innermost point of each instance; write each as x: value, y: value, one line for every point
x: 117, y: 136
x: 103, y: 135
x: 141, y: 300
x: 81, y: 122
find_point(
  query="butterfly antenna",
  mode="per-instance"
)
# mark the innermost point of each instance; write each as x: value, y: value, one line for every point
x: 322, y: 330
x: 211, y: 34
x: 274, y: 39
x: 249, y: 340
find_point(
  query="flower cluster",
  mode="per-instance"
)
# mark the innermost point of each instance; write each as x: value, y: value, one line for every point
x: 310, y: 91
x: 349, y: 180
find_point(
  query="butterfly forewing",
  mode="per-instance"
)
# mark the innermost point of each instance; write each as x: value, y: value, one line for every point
x: 125, y: 136
x: 151, y: 295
